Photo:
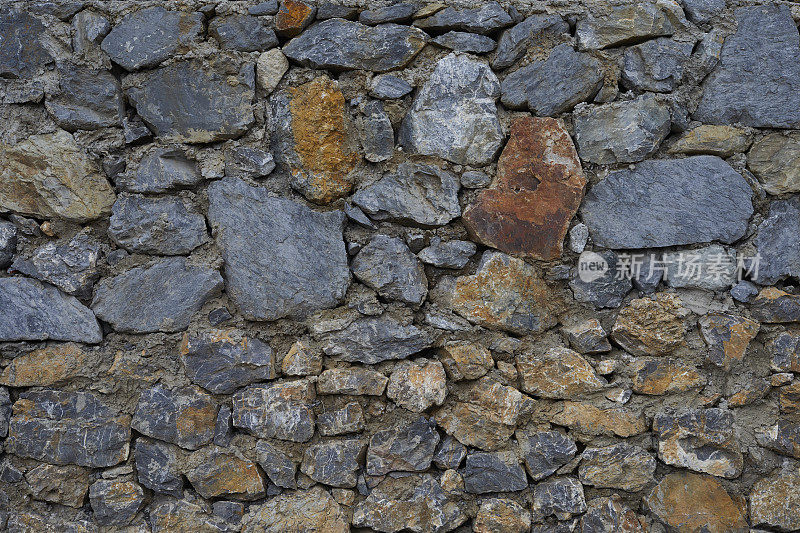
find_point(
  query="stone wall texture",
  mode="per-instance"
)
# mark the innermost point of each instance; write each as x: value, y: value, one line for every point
x: 277, y: 266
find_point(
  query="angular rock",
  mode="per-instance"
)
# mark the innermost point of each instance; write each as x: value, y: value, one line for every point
x: 162, y: 170
x: 301, y: 360
x: 415, y: 503
x: 348, y: 419
x: 173, y: 515
x: 462, y: 93
x: 700, y: 11
x: 69, y: 265
x: 664, y: 376
x: 774, y: 501
x: 304, y: 510
x: 386, y: 265
x: 590, y: 420
x: 493, y: 472
x: 50, y: 176
x: 377, y: 135
x: 722, y: 141
x: 514, y: 42
x: 146, y: 37
x: 394, y: 13
x: 508, y: 294
x: 282, y: 411
x: 270, y: 68
x: 243, y: 33
x: 499, y: 514
x: 185, y: 416
x: 727, y: 337
x: 448, y: 254
x: 789, y: 398
x: 555, y: 85
x: 774, y: 160
x: 66, y: 485
x: 776, y: 306
x: 388, y: 87
x: 280, y: 469
x: 610, y: 288
x: 627, y: 23
x: 8, y: 242
x: 562, y: 497
x: 161, y: 297
x: 357, y: 381
x: 115, y: 503
x: 215, y: 473
x: 292, y: 17
x: 305, y: 269
x: 89, y: 28
x: 610, y: 514
x: 22, y: 54
x: 779, y: 258
x: 460, y: 41
x: 337, y: 44
x: 484, y: 417
x: 703, y: 440
x: 221, y: 109
x: 485, y: 19
x: 408, y: 448
x: 32, y: 311
x: 420, y: 194
x: 311, y: 141
x: 709, y: 268
x: 68, y: 428
x: 558, y: 373
x: 619, y: 466
x: 621, y: 132
x: 162, y: 226
x: 370, y: 340
x: 450, y: 454
x: 655, y: 65
x: 538, y: 189
x: 334, y: 462
x: 49, y: 365
x: 757, y: 79
x: 248, y: 162
x: 785, y: 350
x: 157, y: 467
x: 650, y: 326
x: 87, y: 100
x: 544, y: 452
x: 221, y: 361
x: 417, y: 385
x: 690, y: 502
x: 465, y: 360
x: 588, y: 337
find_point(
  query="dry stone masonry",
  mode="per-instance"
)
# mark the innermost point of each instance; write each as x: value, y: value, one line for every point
x: 311, y: 266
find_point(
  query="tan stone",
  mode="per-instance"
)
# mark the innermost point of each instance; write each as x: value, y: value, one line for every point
x: 619, y: 466
x: 752, y: 392
x: 270, y: 68
x: 301, y: 511
x: 418, y: 385
x: 499, y: 514
x: 775, y: 160
x: 213, y: 472
x: 50, y: 176
x: 47, y: 366
x: 66, y: 485
x: 650, y: 326
x: 665, y: 376
x: 352, y: 380
x: 727, y: 337
x: 611, y: 515
x: 722, y: 141
x: 182, y: 516
x: 301, y: 360
x: 558, y: 373
x: 465, y: 360
x: 588, y: 419
x: 789, y: 398
x: 696, y: 503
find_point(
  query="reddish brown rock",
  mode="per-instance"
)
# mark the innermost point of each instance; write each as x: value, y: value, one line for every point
x: 538, y: 189
x: 694, y: 503
x: 664, y: 376
x: 591, y: 420
x: 727, y: 337
x: 650, y: 326
x: 293, y: 17
x: 558, y: 373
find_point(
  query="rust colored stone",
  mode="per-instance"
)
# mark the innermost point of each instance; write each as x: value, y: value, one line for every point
x: 789, y: 398
x: 45, y: 366
x: 727, y: 337
x: 591, y: 420
x: 664, y: 376
x: 215, y: 473
x: 650, y: 326
x: 465, y: 360
x: 558, y: 373
x: 293, y: 17
x: 538, y: 189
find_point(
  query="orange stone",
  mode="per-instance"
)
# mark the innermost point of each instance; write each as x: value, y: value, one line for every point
x: 538, y: 189
x: 663, y: 376
x: 727, y: 337
x: 558, y: 373
x: 590, y: 420
x: 292, y: 18
x: 46, y: 366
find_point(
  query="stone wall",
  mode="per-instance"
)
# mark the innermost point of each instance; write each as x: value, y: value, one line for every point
x: 477, y: 267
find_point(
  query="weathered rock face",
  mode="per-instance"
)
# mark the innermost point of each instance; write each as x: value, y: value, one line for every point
x: 348, y: 419
x: 537, y: 191
x: 371, y: 340
x: 221, y: 110
x: 625, y: 23
x: 405, y: 449
x: 514, y: 42
x: 544, y: 452
x: 388, y: 266
x: 558, y: 373
x: 655, y: 65
x: 47, y: 366
x: 734, y: 91
x: 486, y: 19
x: 502, y: 515
x: 280, y: 469
x: 665, y: 376
x: 590, y: 420
x: 308, y: 510
x: 774, y: 161
x: 184, y: 416
x: 160, y: 171
x: 356, y: 381
x: 778, y: 258
x: 157, y: 467
x: 608, y: 514
x: 673, y: 201
x: 465, y: 360
x: 562, y: 497
x: 115, y: 503
x: 216, y: 473
x: 282, y: 411
x: 51, y: 176
x: 710, y: 268
x: 609, y: 289
x: 243, y: 33
x: 727, y: 337
x: 650, y: 326
x: 71, y: 266
x: 66, y: 485
x: 88, y: 100
x: 776, y: 306
x: 722, y: 141
x: 418, y: 385
x: 462, y: 92
x: 493, y: 472
x: 305, y: 272
x: 774, y: 501
x: 292, y: 17
x: 22, y: 54
x: 174, y: 515
x: 619, y: 466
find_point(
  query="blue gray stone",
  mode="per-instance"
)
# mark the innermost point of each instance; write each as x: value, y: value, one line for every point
x: 371, y: 340
x: 655, y: 65
x: 377, y: 135
x: 777, y: 242
x: 22, y: 54
x: 466, y: 42
x: 702, y: 11
x: 243, y: 33
x: 627, y: 23
x: 386, y: 265
x: 544, y: 452
x: 514, y: 42
x: 388, y: 87
x: 408, y: 448
x: 87, y: 99
x: 185, y: 416
x: 160, y: 171
x: 250, y: 162
x: 486, y: 19
x: 448, y: 254
x: 398, y: 13
x: 606, y: 291
x: 334, y: 462
x: 493, y: 472
x: 157, y: 467
x: 278, y: 467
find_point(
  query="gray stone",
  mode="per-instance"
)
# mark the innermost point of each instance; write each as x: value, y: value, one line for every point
x: 757, y: 79
x: 555, y: 85
x: 68, y: 428
x: 450, y: 454
x: 386, y: 265
x: 562, y: 497
x: 303, y: 270
x: 357, y: 215
x: 627, y: 23
x: 488, y: 18
x: 650, y: 272
x: 243, y: 33
x: 165, y: 513
x: 744, y: 291
x: 221, y: 108
x: 185, y: 416
x: 10, y: 473
x: 461, y: 93
x: 5, y: 411
x: 460, y: 41
x: 774, y: 160
x: 711, y: 268
x: 22, y: 54
x: 395, y: 13
x: 270, y: 68
x: 215, y: 472
x: 115, y: 503
x: 223, y: 426
x: 162, y: 170
x: 278, y: 467
x: 493, y: 472
x: 621, y: 132
x: 357, y: 381
x: 348, y: 419
x: 388, y: 87
x: 702, y: 11
x: 776, y: 242
x: 162, y: 226
x: 250, y: 162
x: 33, y: 311
x: 157, y: 467
x: 669, y: 202
x: 655, y: 65
x: 448, y: 254
x: 334, y: 462
x: 409, y: 448
x: 618, y: 466
x: 136, y: 131
x: 282, y: 410
x: 420, y: 194
x: 270, y: 7
x: 69, y: 265
x: 544, y: 452
x: 222, y: 361
x: 329, y: 10
x: 377, y: 135
x: 88, y: 30
x: 231, y: 512
x: 87, y: 99
x: 578, y: 236
x: 161, y: 297
x: 588, y: 337
x: 371, y: 340
x: 475, y: 179
x: 338, y: 44
x: 606, y: 291
x: 514, y: 42
x: 146, y: 37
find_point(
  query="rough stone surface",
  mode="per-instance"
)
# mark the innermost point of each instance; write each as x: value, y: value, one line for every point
x: 607, y: 514
x: 162, y: 170
x: 371, y: 340
x: 357, y: 381
x: 619, y: 466
x: 270, y: 68
x: 591, y: 420
x: 448, y: 254
x: 282, y: 411
x: 292, y: 17
x: 408, y: 448
x: 609, y: 289
x: 307, y: 510
x: 67, y: 485
x: 418, y: 385
x: 778, y: 257
x: 243, y: 33
x: 562, y: 497
x: 558, y: 373
x: 493, y: 472
x: 334, y: 462
x: 157, y: 467
x: 655, y: 65
x: 626, y: 23
x: 47, y: 366
x: 22, y: 54
x: 727, y: 337
x: 278, y: 467
x: 460, y: 41
x: 388, y: 266
x: 709, y: 268
x: 184, y: 416
x: 514, y: 42
x: 776, y: 306
x: 348, y: 419
x: 465, y: 360
x: 722, y: 141
x: 665, y: 376
x: 774, y: 161
x: 588, y: 337
x: 486, y: 19
x: 87, y: 100
x: 115, y: 503
x: 215, y: 473
x: 544, y: 452
x: 377, y: 134
x: 774, y: 501
x: 502, y: 515
x: 388, y: 87
x: 650, y: 326
x: 8, y: 242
